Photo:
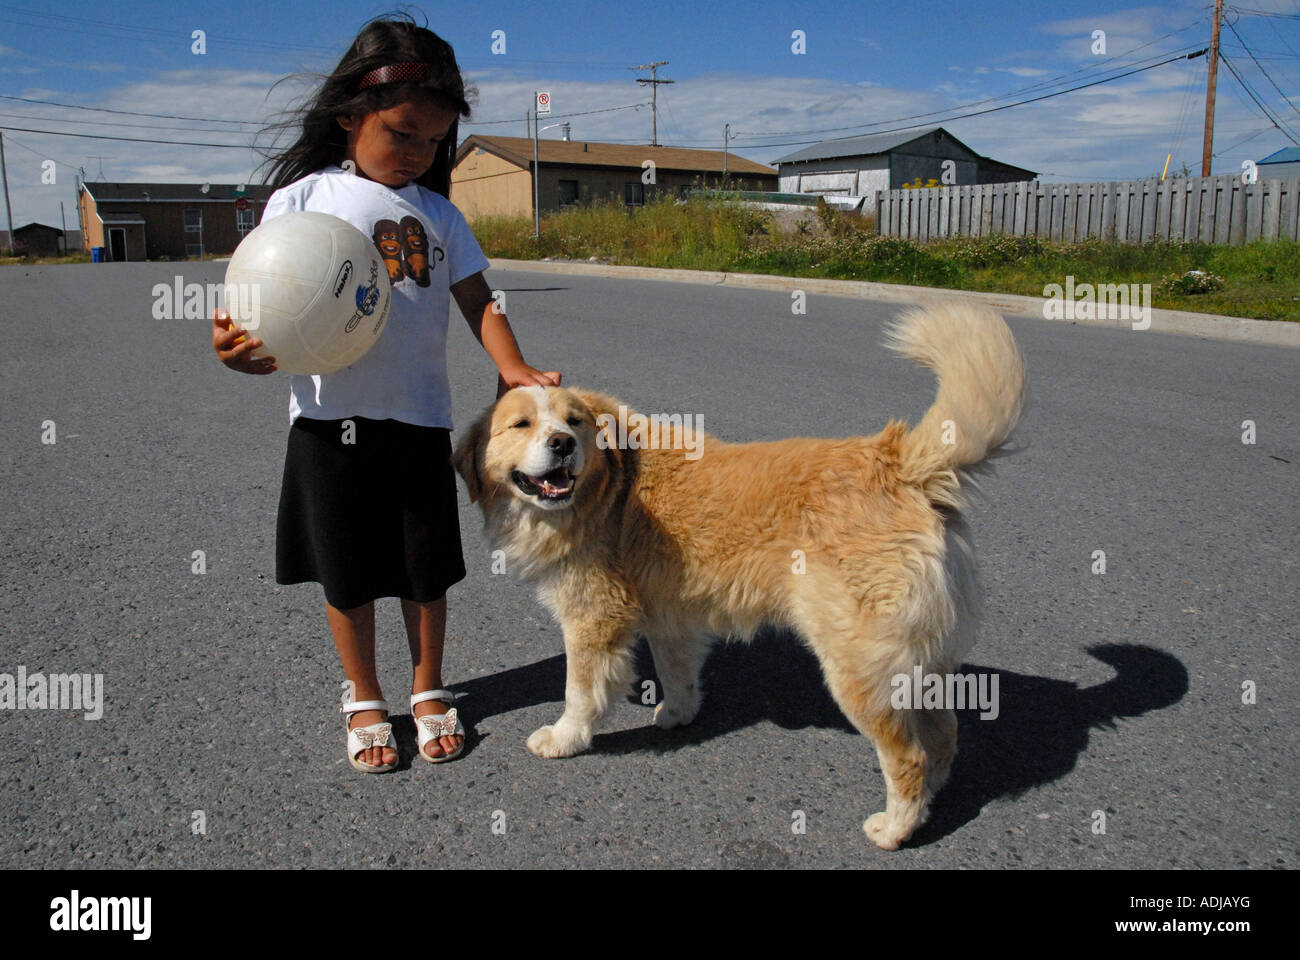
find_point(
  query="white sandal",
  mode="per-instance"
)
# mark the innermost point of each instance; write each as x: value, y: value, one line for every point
x: 374, y: 735
x: 432, y: 726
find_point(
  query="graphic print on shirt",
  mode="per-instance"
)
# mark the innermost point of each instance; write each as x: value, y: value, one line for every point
x: 390, y: 248
x: 415, y: 250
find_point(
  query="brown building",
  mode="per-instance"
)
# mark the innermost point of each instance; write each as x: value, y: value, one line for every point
x: 493, y: 175
x: 150, y: 221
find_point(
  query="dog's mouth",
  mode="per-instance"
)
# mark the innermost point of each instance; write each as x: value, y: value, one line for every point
x: 555, y: 485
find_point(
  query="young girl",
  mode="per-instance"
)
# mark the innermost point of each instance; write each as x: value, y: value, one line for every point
x: 369, y: 509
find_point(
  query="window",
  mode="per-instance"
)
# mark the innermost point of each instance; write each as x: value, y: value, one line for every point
x: 193, y: 221
x: 568, y: 192
x: 634, y: 193
x: 244, y: 220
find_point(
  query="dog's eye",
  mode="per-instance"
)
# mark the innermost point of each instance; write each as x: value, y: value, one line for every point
x: 575, y: 421
x: 520, y: 423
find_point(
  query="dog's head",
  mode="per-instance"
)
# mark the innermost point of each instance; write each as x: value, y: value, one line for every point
x: 539, y: 445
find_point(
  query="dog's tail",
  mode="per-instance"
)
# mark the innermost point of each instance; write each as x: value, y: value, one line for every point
x: 981, y: 384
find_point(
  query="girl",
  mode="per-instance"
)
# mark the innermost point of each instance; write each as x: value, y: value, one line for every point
x: 368, y: 508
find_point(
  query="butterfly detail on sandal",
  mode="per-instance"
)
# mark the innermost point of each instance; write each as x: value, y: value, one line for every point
x: 440, y: 726
x: 378, y: 737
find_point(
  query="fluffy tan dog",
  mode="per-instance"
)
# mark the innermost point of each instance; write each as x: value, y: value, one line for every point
x: 854, y: 543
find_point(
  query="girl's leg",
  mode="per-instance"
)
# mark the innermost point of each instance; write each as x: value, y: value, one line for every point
x: 354, y: 637
x: 426, y: 628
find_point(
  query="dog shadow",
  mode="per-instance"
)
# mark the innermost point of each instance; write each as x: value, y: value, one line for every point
x: 1042, y: 727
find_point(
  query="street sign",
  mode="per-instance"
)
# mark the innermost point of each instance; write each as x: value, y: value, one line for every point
x: 543, y: 103
x: 241, y: 203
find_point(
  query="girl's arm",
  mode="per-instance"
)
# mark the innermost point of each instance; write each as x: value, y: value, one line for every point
x: 492, y: 330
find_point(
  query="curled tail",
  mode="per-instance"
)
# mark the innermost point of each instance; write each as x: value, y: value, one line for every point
x: 981, y: 384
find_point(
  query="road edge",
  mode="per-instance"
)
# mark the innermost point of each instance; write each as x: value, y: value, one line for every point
x: 1281, y: 333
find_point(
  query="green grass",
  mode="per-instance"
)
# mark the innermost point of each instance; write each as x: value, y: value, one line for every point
x: 1261, y: 279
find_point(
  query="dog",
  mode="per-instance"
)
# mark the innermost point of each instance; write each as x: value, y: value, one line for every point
x: 857, y: 544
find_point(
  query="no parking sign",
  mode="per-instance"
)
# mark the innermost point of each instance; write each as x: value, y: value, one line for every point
x: 543, y: 103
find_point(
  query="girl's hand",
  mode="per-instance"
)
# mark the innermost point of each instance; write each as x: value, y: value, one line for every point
x: 237, y: 356
x: 525, y: 376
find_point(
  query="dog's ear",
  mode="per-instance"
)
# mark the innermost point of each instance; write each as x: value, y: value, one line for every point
x: 468, y: 455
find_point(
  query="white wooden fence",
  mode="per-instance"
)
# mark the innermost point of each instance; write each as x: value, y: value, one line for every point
x: 1219, y: 210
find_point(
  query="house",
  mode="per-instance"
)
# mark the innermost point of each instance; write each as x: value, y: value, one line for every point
x: 149, y: 221
x: 1283, y: 163
x: 36, y: 240
x: 863, y: 166
x: 493, y: 175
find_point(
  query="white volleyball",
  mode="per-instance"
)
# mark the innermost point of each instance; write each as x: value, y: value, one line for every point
x: 312, y: 287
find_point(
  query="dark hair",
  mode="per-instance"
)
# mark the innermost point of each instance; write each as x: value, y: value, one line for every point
x: 382, y: 41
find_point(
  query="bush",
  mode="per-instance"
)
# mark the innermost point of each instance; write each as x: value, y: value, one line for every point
x: 1193, y: 281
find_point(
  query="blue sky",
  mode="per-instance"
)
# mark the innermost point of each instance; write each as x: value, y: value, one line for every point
x: 866, y: 66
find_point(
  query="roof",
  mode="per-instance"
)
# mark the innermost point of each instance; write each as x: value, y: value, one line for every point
x: 519, y: 150
x: 991, y: 164
x: 146, y: 192
x: 34, y: 223
x: 1285, y: 155
x: 858, y: 146
x: 874, y: 143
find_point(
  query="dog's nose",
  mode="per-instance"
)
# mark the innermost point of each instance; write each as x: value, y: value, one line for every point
x: 561, y: 443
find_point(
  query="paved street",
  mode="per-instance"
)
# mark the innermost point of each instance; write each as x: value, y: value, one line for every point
x: 1119, y: 692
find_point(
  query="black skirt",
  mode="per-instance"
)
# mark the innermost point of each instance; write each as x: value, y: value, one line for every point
x: 373, y: 518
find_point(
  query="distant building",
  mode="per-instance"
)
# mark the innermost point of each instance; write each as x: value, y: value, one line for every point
x: 493, y: 175
x: 1283, y: 163
x: 149, y: 221
x: 36, y: 240
x: 863, y: 166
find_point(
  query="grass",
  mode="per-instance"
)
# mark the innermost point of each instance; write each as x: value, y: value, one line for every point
x: 1260, y: 279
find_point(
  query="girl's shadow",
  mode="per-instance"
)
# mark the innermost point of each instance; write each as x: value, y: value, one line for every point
x: 1042, y: 726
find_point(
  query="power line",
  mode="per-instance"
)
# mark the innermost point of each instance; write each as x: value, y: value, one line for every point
x: 1261, y: 68
x: 1245, y: 86
x: 115, y: 123
x: 104, y: 136
x: 1011, y: 93
x: 133, y: 113
x: 977, y: 113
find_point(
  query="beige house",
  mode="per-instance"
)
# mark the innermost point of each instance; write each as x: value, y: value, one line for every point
x: 492, y: 176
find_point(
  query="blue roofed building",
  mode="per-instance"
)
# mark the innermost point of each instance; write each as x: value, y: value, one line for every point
x: 1283, y: 163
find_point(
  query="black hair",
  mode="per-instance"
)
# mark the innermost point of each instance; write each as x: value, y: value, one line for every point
x: 382, y: 41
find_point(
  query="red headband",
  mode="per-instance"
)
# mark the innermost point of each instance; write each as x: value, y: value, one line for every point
x: 393, y: 73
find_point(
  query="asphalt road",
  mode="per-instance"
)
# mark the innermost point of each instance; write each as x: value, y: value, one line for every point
x: 1119, y: 692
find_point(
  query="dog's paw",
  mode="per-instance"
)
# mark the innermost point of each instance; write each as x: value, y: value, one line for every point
x: 669, y: 715
x: 884, y: 833
x: 552, y: 742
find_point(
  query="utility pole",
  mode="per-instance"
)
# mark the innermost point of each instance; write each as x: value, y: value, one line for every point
x: 726, y: 139
x: 654, y: 82
x: 64, y: 220
x: 9, y: 213
x: 1207, y: 143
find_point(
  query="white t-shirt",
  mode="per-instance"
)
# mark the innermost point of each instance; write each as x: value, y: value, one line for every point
x: 404, y: 375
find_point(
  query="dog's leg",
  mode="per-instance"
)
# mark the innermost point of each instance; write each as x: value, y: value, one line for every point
x: 938, y: 732
x: 598, y: 663
x: 677, y: 661
x: 860, y: 683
